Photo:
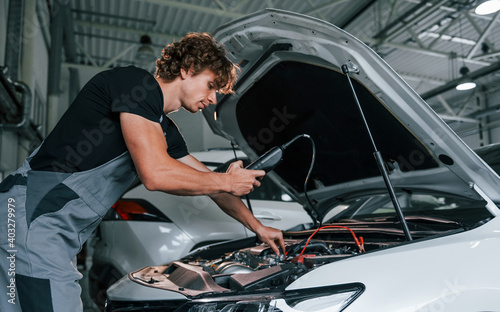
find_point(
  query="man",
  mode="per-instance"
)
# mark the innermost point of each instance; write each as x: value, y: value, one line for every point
x: 115, y: 129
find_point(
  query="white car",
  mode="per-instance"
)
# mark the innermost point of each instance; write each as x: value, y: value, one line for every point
x: 145, y: 227
x: 405, y: 214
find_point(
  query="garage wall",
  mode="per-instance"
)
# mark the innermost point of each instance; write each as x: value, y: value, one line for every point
x: 33, y: 72
x: 4, y: 6
x: 8, y: 139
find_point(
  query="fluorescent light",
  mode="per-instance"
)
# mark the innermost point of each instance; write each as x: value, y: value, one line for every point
x: 466, y: 85
x: 448, y: 38
x: 488, y: 7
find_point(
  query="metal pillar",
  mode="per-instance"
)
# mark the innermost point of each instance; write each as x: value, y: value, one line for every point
x: 55, y: 61
x: 13, y: 47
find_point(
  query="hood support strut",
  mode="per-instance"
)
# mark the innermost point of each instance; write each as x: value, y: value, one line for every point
x: 378, y: 158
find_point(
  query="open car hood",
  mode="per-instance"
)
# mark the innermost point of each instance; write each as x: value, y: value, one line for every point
x: 291, y: 83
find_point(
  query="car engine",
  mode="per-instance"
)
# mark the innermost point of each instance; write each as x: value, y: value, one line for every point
x: 254, y: 268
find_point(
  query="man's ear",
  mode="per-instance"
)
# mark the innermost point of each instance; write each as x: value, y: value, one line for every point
x: 184, y: 73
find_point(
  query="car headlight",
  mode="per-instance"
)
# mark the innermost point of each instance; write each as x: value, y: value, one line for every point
x: 331, y: 299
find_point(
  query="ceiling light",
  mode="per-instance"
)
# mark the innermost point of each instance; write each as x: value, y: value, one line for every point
x: 488, y: 7
x: 145, y: 53
x: 465, y: 83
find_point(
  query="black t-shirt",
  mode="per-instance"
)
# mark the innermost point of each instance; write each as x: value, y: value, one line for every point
x: 89, y: 133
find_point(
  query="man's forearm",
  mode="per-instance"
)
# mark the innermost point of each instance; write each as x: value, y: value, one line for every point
x: 186, y: 181
x: 234, y: 207
x: 186, y: 176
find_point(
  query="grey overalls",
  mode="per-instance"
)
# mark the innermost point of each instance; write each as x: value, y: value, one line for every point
x: 45, y: 219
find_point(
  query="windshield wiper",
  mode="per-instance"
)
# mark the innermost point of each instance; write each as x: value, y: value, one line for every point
x: 408, y: 219
x: 431, y: 220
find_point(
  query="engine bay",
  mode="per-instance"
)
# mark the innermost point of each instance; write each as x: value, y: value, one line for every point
x: 257, y: 267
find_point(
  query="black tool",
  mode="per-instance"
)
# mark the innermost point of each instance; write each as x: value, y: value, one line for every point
x: 273, y: 157
x: 270, y: 160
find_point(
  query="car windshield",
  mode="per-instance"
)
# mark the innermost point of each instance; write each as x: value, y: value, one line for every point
x: 416, y: 207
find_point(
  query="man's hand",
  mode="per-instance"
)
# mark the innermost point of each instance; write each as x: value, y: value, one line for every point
x: 273, y: 237
x: 243, y: 180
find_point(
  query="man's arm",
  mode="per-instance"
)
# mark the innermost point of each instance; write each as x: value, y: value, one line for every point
x: 233, y: 206
x: 160, y: 172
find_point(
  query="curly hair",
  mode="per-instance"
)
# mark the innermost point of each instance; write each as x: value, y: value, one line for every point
x: 197, y: 52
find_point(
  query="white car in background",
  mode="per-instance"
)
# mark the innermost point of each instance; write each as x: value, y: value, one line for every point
x: 415, y: 228
x: 146, y: 227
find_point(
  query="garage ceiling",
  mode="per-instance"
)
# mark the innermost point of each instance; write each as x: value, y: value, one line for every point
x: 426, y: 42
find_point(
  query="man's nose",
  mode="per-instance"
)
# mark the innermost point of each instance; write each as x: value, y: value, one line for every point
x: 212, y: 98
